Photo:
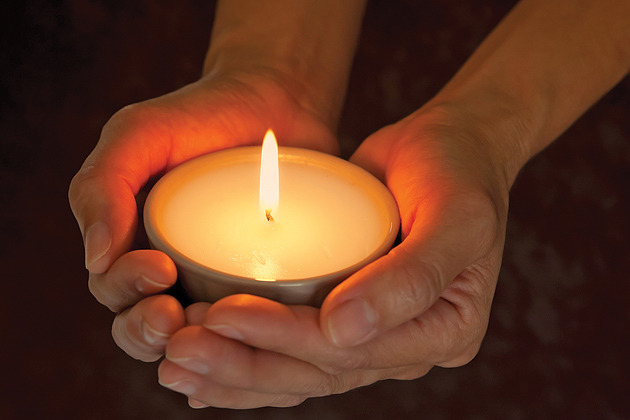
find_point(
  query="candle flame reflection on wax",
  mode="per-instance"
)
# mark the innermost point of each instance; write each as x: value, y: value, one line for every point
x: 269, y: 178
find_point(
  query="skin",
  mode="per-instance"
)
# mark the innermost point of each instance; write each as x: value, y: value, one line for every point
x: 450, y: 166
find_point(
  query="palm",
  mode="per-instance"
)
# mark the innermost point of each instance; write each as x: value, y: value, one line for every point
x: 453, y: 205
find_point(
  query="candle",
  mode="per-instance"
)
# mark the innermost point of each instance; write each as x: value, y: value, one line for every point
x: 289, y: 226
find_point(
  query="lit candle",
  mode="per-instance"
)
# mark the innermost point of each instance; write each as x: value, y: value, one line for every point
x: 288, y: 227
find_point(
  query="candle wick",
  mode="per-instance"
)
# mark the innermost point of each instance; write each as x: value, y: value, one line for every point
x: 269, y: 216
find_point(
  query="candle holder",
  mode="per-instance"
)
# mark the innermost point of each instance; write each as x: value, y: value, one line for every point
x: 201, y: 278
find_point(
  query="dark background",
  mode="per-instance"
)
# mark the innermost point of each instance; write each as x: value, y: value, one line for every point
x: 558, y: 343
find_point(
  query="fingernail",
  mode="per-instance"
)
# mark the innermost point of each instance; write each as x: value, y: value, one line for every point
x: 226, y: 331
x: 98, y: 240
x: 191, y: 364
x: 152, y: 336
x: 183, y: 387
x: 193, y: 403
x: 351, y: 322
x: 146, y: 285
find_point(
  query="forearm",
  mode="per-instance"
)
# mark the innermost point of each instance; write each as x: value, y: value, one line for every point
x: 310, y: 42
x: 539, y: 70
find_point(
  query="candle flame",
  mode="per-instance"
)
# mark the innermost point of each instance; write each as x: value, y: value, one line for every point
x: 269, y: 179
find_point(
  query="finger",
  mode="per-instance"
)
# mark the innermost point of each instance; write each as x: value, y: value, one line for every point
x: 134, y: 276
x: 229, y: 364
x: 269, y: 325
x: 233, y: 364
x: 366, y: 158
x: 105, y: 210
x: 294, y: 331
x: 143, y: 330
x: 204, y: 390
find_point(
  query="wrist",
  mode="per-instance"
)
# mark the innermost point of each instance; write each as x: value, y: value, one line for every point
x: 267, y: 68
x: 537, y: 72
x: 504, y: 125
x: 271, y: 68
x: 278, y: 99
x: 307, y: 46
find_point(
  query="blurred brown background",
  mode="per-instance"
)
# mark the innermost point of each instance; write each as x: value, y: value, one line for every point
x: 558, y: 343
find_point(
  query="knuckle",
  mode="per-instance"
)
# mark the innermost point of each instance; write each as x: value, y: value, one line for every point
x: 457, y: 342
x: 73, y: 189
x: 131, y: 117
x: 479, y: 278
x: 463, y: 346
x: 338, y: 384
x: 464, y: 357
x: 168, y: 372
x: 350, y: 361
x: 115, y: 301
x: 79, y: 187
x: 420, y: 284
x: 334, y: 384
x: 343, y: 376
x: 124, y: 339
x: 331, y: 369
x: 129, y: 113
x: 485, y: 217
x: 95, y: 287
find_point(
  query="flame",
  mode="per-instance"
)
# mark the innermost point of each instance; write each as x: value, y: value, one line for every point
x: 269, y: 179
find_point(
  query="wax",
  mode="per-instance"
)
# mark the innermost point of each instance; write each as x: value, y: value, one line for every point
x: 219, y: 219
x: 324, y: 223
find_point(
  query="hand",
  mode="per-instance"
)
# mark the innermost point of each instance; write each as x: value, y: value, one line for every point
x: 424, y: 304
x: 222, y: 110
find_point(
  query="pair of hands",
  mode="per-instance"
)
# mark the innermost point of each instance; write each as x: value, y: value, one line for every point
x: 424, y: 304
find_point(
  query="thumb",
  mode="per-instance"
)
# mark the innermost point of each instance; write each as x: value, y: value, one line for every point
x: 404, y: 283
x: 102, y: 193
x: 105, y: 209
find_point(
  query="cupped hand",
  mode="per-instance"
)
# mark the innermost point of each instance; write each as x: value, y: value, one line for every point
x: 221, y: 110
x: 424, y: 304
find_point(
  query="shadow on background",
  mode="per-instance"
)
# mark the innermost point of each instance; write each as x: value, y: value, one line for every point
x: 558, y: 341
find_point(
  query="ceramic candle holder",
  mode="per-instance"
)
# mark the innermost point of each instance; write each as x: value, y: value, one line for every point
x: 333, y: 219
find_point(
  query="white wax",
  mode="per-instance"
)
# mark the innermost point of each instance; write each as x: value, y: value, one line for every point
x: 324, y: 222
